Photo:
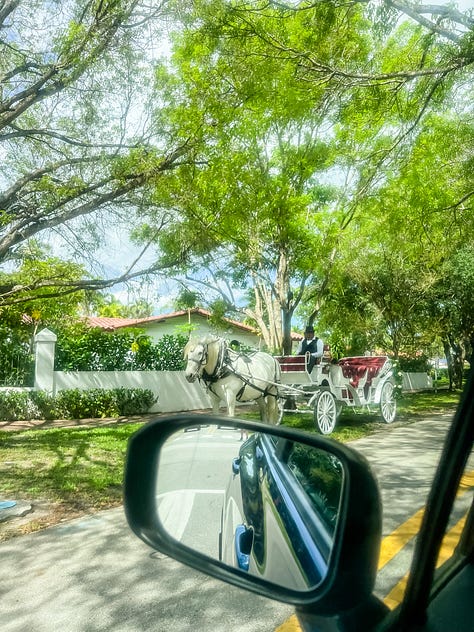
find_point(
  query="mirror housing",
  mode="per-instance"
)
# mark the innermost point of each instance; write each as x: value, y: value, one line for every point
x: 352, y: 569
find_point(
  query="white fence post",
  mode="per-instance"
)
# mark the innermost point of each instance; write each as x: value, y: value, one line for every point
x: 45, y: 343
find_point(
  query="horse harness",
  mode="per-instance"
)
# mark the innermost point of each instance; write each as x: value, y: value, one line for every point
x: 224, y: 368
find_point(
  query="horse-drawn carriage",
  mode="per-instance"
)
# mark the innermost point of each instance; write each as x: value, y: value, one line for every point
x: 355, y: 381
x: 280, y: 384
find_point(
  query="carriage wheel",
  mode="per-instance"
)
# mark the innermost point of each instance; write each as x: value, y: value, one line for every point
x: 325, y: 412
x: 388, y: 403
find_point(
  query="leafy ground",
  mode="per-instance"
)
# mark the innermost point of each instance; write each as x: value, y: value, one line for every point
x: 66, y: 472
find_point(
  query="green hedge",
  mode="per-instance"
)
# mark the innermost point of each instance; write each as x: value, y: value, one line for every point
x: 75, y: 404
x: 84, y: 349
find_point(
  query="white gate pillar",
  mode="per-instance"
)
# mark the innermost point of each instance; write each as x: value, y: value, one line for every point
x: 45, y: 343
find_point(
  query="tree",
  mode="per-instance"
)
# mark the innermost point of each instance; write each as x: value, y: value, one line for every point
x: 412, y: 188
x: 398, y: 288
x: 453, y: 311
x: 256, y: 200
x: 49, y: 310
x: 258, y: 80
x: 270, y: 118
x: 78, y: 154
x: 404, y: 257
x: 110, y: 306
x: 20, y: 322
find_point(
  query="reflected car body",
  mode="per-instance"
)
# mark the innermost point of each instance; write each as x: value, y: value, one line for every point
x: 280, y: 511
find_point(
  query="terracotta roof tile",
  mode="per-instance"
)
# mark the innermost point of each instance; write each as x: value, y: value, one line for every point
x: 109, y: 324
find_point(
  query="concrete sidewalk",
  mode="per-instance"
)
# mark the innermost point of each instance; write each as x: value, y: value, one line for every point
x: 38, y: 424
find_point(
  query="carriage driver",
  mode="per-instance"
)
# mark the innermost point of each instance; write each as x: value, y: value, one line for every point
x: 313, y: 345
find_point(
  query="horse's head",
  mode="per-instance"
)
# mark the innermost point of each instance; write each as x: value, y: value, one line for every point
x: 201, y: 355
x: 196, y: 356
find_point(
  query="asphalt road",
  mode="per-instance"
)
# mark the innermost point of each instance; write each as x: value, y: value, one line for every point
x: 93, y: 574
x: 404, y: 460
x: 194, y: 471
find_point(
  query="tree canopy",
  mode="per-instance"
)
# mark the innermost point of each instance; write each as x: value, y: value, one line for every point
x: 324, y: 127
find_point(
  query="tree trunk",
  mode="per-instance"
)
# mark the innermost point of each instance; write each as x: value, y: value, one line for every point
x: 267, y: 314
x: 287, y: 315
x: 455, y: 354
x: 449, y: 361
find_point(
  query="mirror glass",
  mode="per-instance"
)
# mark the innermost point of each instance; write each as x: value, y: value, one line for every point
x: 261, y: 503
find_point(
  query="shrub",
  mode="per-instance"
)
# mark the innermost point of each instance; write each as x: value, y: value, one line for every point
x: 16, y: 360
x: 17, y: 405
x: 46, y: 404
x: 81, y: 348
x: 133, y: 401
x: 78, y: 404
x: 75, y: 404
x: 397, y: 378
x: 420, y: 364
x: 169, y: 350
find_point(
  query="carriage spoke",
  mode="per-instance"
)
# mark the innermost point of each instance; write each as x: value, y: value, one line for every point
x: 325, y: 412
x: 388, y: 403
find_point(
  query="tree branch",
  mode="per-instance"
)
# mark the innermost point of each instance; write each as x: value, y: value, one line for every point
x: 11, y: 294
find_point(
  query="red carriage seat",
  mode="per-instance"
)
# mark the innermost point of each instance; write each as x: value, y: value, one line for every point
x: 355, y: 368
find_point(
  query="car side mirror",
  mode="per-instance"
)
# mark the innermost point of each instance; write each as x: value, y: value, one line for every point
x: 289, y: 515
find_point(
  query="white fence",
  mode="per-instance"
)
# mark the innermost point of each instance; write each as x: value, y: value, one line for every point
x: 174, y: 393
x: 416, y: 382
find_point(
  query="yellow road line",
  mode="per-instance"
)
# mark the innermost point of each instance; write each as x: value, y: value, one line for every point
x: 450, y: 542
x: 395, y: 596
x: 397, y: 540
x: 466, y: 483
x: 290, y: 625
x: 393, y: 543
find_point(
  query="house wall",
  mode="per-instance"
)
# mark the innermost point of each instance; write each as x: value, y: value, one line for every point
x: 180, y: 324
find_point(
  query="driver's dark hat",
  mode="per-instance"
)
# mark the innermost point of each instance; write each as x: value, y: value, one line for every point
x: 309, y: 330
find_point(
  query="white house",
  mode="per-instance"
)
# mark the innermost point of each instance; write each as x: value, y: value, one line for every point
x: 180, y: 322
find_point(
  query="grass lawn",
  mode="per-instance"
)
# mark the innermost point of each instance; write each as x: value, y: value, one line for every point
x: 71, y: 471
x: 78, y: 470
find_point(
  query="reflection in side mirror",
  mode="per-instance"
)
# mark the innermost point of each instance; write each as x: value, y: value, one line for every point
x: 288, y: 515
x: 268, y: 506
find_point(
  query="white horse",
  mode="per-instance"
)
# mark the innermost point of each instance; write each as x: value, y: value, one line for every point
x: 234, y: 376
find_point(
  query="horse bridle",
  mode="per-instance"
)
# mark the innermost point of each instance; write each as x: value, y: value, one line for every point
x: 203, y: 360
